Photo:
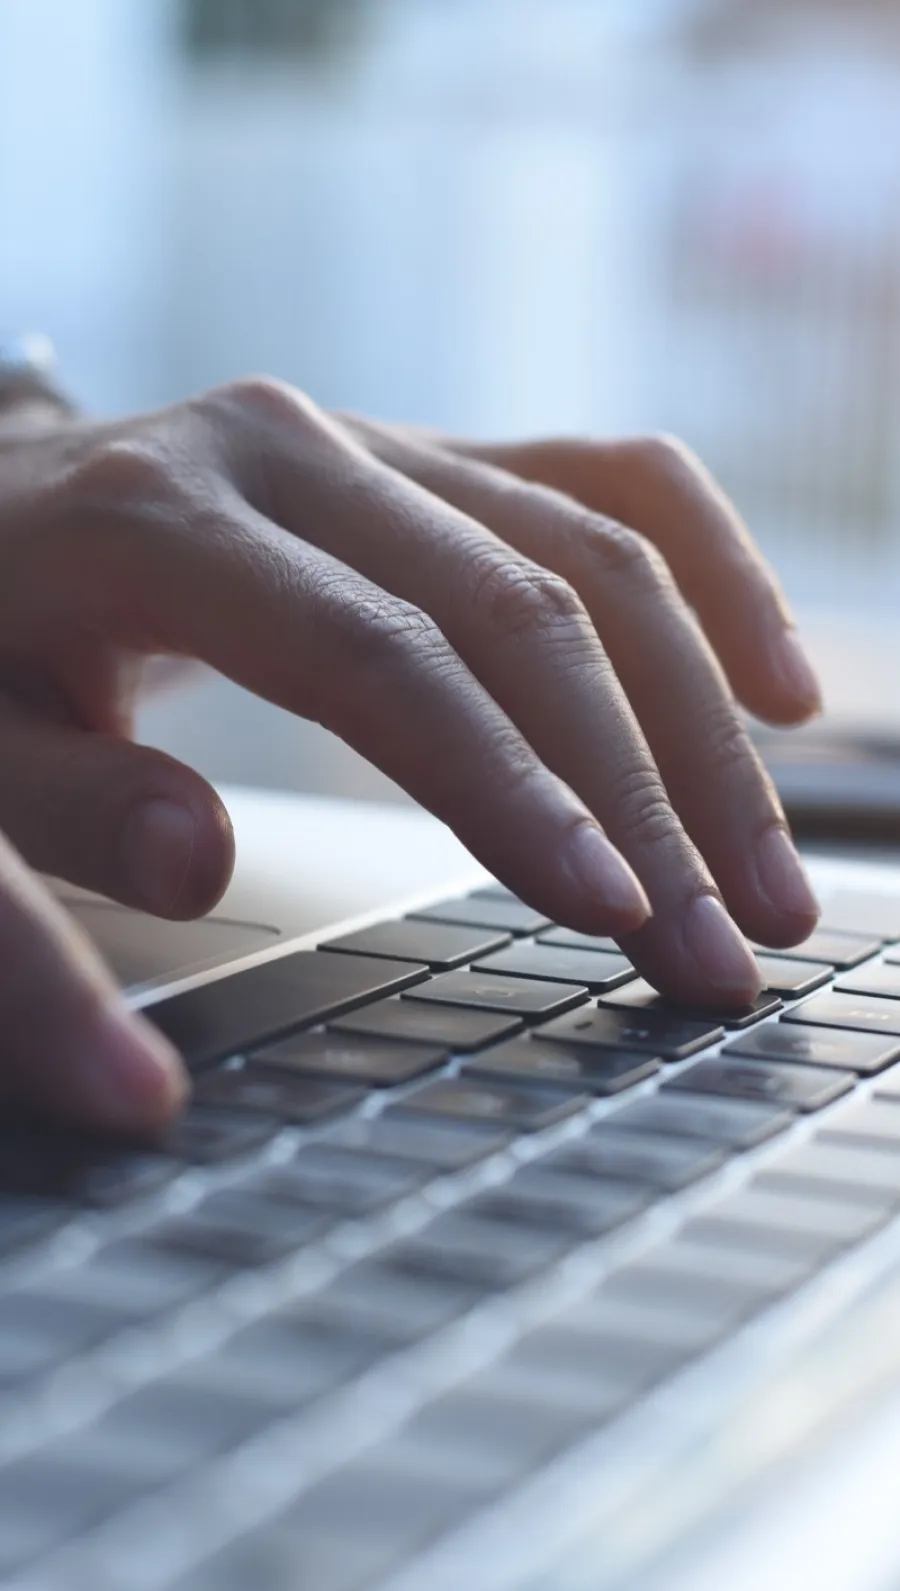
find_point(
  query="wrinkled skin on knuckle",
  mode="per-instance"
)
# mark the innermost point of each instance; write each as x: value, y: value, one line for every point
x: 517, y: 600
x: 366, y: 639
x: 730, y: 750
x: 645, y: 811
x: 621, y: 554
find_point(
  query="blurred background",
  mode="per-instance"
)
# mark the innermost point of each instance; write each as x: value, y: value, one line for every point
x: 497, y: 216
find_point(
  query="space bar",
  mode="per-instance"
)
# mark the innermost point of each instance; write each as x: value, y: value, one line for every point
x: 230, y: 1014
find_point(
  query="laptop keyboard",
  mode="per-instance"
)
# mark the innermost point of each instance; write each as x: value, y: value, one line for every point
x: 454, y: 1192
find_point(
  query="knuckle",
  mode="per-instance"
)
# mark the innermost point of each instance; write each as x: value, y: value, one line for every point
x: 265, y: 400
x: 728, y: 745
x: 372, y: 633
x: 644, y: 806
x: 666, y: 456
x: 519, y: 599
x: 120, y: 474
x: 626, y: 555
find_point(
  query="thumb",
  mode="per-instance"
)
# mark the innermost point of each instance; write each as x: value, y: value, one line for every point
x: 70, y: 1047
x: 101, y: 812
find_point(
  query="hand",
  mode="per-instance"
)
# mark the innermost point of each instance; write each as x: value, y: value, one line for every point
x: 478, y: 622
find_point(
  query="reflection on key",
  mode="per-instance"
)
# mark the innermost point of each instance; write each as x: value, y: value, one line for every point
x: 801, y: 1088
x: 529, y: 1109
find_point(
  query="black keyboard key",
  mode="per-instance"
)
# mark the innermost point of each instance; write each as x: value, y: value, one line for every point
x: 790, y: 978
x: 485, y: 1253
x: 275, y: 1559
x: 493, y: 891
x: 491, y: 993
x: 293, y: 1356
x: 375, y: 1063
x: 391, y: 1511
x: 669, y: 1284
x: 679, y: 1273
x: 591, y: 1071
x: 240, y: 1230
x: 25, y: 1221
x: 879, y: 977
x: 293, y: 1099
x: 134, y: 1278
x: 808, y: 1046
x: 85, y: 1171
x: 812, y: 1229
x: 672, y: 1038
x: 581, y: 1204
x: 861, y: 1014
x: 567, y: 1362
x: 593, y: 969
x: 732, y: 1123
x: 637, y: 1305
x: 436, y: 945
x: 456, y: 1029
x: 441, y: 1146
x: 647, y: 1158
x: 800, y: 1088
x: 641, y: 996
x: 203, y: 1136
x: 54, y: 1330
x: 174, y: 1423
x: 835, y: 949
x: 511, y: 1418
x: 868, y: 1124
x: 477, y: 911
x: 464, y: 1099
x: 328, y: 1177
x: 231, y: 1014
x: 380, y: 1297
x: 116, y: 1178
x: 824, y: 1169
x: 862, y: 912
x: 570, y: 939
x: 47, y: 1498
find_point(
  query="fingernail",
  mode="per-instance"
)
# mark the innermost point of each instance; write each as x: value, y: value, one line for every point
x: 130, y: 1077
x: 797, y: 673
x: 600, y: 872
x: 719, y: 949
x: 782, y: 874
x: 157, y: 847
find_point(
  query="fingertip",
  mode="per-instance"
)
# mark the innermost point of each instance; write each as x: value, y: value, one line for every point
x: 792, y: 908
x: 211, y: 862
x: 800, y: 692
x: 726, y: 966
x: 178, y: 853
x: 127, y: 1077
x: 611, y: 892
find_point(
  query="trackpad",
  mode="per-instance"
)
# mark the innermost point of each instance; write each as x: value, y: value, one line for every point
x: 142, y: 949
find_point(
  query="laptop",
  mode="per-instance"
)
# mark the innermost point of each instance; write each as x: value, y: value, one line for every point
x: 472, y: 1263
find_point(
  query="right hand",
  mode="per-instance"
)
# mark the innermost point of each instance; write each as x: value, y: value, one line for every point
x: 471, y: 620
